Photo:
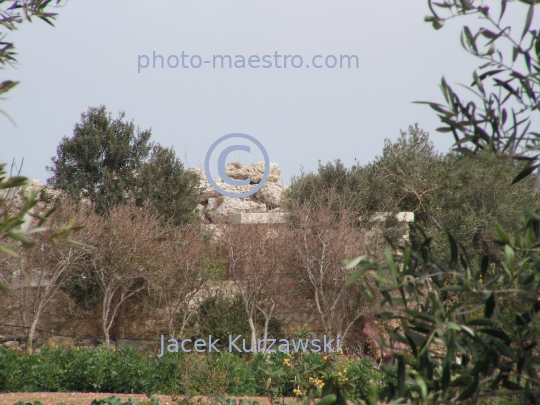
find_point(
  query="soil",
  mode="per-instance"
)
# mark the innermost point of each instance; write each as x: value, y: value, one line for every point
x: 85, y: 398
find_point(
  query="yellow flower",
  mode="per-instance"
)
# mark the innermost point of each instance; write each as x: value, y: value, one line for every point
x: 339, y: 373
x: 326, y: 357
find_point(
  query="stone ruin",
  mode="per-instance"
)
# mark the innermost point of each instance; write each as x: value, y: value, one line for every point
x: 214, y: 206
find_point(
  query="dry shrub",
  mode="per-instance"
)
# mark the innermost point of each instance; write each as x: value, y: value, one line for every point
x: 323, y: 232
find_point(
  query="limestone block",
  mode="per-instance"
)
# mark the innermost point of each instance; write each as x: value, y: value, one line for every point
x: 259, y: 218
x: 271, y: 194
x: 224, y: 207
x: 254, y: 172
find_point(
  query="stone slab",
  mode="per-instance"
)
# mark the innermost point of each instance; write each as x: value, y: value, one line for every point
x: 400, y: 216
x: 259, y: 218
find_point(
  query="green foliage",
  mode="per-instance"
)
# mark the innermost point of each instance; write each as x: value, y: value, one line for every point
x: 125, y: 371
x: 167, y: 187
x: 215, y: 375
x: 99, y: 162
x: 221, y: 316
x: 502, y: 117
x: 471, y: 199
x: 112, y: 400
x: 18, y: 224
x: 395, y: 181
x: 110, y: 161
x: 469, y: 332
x: 28, y: 403
x: 312, y: 376
x: 229, y: 401
x: 447, y: 193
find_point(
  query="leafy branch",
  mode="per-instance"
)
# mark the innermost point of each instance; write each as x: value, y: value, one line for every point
x: 507, y: 91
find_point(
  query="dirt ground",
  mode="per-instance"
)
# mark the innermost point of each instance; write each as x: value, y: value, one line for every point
x: 85, y: 398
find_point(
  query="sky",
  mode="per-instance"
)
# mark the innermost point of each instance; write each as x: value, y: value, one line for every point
x: 93, y: 56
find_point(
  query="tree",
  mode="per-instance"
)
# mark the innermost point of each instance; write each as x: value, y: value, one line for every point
x: 126, y: 252
x: 167, y: 187
x: 469, y: 332
x: 109, y: 161
x: 100, y: 161
x: 43, y: 270
x: 21, y: 219
x: 187, y: 263
x: 321, y: 238
x: 472, y: 331
x: 256, y: 256
x: 447, y: 193
x: 14, y: 12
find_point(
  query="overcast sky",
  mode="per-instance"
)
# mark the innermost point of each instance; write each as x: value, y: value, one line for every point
x: 301, y: 115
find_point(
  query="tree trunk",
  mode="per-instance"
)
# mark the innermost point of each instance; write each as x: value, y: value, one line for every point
x: 267, y: 316
x: 253, y: 333
x: 30, y: 335
x: 104, y: 318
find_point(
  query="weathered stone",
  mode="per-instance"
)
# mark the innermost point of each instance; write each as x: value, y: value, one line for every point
x: 223, y: 207
x: 61, y: 342
x: 206, y: 191
x: 259, y: 218
x: 199, y: 209
x: 254, y: 172
x: 271, y: 194
x: 11, y: 343
x: 88, y: 342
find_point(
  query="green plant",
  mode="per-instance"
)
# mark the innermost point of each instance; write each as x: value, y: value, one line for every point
x: 222, y: 315
x: 312, y: 376
x: 28, y: 403
x: 468, y: 332
x: 20, y: 222
x: 229, y: 401
x: 110, y: 161
x: 126, y: 370
x: 113, y: 400
x: 501, y: 117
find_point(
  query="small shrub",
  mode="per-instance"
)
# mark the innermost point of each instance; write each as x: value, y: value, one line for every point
x: 215, y: 375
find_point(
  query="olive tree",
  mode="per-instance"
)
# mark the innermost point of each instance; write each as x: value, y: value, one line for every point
x: 500, y: 113
x: 110, y: 161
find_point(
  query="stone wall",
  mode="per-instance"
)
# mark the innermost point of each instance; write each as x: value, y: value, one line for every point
x: 62, y: 318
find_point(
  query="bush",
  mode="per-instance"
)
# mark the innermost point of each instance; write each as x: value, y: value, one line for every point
x: 221, y: 315
x: 125, y: 370
x: 447, y: 193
